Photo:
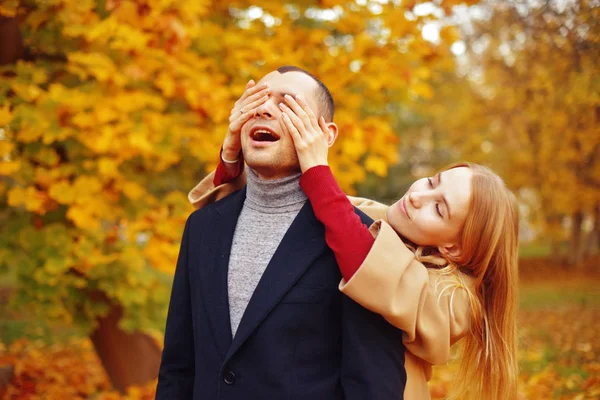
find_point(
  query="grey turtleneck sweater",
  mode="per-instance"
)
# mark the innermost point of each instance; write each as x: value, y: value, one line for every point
x: 269, y: 210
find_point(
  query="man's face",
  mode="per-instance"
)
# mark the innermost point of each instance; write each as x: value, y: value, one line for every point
x: 267, y: 145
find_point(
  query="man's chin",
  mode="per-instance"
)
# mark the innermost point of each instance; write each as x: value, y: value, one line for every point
x: 271, y: 167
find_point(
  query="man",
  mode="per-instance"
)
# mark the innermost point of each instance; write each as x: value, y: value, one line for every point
x: 255, y: 310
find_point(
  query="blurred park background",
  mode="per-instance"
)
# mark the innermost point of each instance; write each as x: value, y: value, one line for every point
x: 111, y: 110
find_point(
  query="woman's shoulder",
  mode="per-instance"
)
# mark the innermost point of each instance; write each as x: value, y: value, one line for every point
x: 372, y: 208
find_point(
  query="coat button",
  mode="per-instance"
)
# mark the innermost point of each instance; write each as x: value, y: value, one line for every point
x: 229, y: 377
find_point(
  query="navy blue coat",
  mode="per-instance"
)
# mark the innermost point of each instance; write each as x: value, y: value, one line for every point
x: 299, y: 338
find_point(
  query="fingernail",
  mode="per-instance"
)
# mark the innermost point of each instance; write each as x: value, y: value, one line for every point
x: 287, y: 96
x: 265, y: 85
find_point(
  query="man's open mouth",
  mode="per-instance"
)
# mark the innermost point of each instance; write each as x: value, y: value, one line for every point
x: 264, y: 135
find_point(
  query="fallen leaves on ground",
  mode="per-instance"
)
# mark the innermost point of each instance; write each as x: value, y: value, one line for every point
x: 61, y: 371
x: 559, y: 358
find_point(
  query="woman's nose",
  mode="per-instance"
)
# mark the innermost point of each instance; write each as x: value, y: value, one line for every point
x: 418, y: 199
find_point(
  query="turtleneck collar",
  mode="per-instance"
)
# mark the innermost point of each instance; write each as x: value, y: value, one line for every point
x: 276, y: 195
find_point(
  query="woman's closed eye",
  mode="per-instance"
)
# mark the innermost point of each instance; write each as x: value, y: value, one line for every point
x: 437, y: 205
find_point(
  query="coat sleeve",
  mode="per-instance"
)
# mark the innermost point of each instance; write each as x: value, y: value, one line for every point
x: 176, y: 373
x: 370, y: 207
x: 432, y: 309
x: 205, y: 192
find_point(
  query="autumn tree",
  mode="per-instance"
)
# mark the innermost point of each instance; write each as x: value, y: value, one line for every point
x: 526, y: 100
x: 118, y: 107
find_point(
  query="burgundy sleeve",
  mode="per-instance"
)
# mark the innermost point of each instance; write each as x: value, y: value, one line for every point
x: 221, y: 174
x: 345, y: 233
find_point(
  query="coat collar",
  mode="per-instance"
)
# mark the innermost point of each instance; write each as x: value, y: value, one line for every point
x: 301, y: 245
x: 213, y: 266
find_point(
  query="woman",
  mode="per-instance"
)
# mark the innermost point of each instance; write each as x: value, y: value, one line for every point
x: 440, y: 264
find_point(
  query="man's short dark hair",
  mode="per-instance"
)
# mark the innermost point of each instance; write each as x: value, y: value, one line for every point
x: 323, y: 95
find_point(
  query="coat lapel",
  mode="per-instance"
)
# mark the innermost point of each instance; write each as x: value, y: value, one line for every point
x: 214, y: 264
x: 301, y: 245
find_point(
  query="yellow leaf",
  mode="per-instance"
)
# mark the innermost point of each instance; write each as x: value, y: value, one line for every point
x: 133, y: 190
x: 423, y: 90
x: 83, y: 218
x: 28, y: 197
x: 8, y: 168
x: 16, y: 196
x: 28, y: 92
x: 98, y: 64
x: 166, y: 84
x: 84, y: 120
x: 376, y: 165
x: 62, y: 192
x: 107, y: 167
x: 105, y: 114
x: 5, y: 116
x: 87, y: 186
x: 9, y: 9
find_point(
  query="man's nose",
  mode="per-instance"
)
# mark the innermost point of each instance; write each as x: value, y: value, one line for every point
x: 267, y: 109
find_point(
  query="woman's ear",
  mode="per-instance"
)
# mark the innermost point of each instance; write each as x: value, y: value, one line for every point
x: 452, y: 251
x: 332, y: 133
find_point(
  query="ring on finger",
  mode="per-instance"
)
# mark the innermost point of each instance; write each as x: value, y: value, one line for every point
x: 241, y: 110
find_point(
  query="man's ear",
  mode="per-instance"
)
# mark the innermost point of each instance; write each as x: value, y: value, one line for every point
x: 332, y: 133
x: 452, y: 251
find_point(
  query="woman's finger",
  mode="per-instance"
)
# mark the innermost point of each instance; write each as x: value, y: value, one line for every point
x: 298, y: 123
x: 237, y: 120
x: 291, y: 102
x: 253, y: 105
x: 252, y: 90
x: 252, y: 98
x: 294, y: 133
x: 323, y: 126
x: 311, y: 116
x: 249, y: 85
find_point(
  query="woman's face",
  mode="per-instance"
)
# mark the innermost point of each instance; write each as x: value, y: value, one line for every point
x: 433, y: 211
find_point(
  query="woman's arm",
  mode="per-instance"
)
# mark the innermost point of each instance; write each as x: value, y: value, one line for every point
x: 345, y: 234
x: 218, y: 184
x: 431, y: 308
x: 381, y: 273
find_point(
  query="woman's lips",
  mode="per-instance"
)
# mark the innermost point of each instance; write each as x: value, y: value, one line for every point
x: 403, y: 207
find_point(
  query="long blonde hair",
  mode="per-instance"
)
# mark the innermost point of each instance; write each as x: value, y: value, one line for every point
x: 489, y: 243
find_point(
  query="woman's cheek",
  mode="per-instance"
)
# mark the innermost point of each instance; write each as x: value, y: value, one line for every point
x: 429, y: 227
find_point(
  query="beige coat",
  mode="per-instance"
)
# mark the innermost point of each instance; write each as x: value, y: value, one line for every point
x: 430, y: 308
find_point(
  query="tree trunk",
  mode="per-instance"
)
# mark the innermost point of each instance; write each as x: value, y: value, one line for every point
x: 593, y: 246
x: 575, y: 246
x: 11, y: 45
x: 128, y: 358
x: 552, y: 221
x: 597, y: 226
